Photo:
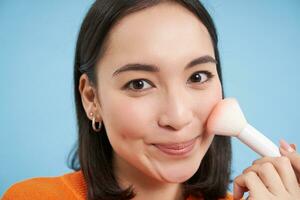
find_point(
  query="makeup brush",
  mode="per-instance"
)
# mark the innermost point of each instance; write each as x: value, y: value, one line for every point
x: 228, y: 119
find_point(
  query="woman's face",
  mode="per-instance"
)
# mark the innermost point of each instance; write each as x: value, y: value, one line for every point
x: 168, y: 103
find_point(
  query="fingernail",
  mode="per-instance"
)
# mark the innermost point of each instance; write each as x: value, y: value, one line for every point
x: 293, y: 146
x: 286, y: 146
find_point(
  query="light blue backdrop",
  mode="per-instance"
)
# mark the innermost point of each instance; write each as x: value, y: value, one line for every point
x: 259, y: 46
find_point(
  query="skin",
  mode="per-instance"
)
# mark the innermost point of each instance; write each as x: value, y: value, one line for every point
x: 169, y: 107
x: 273, y: 178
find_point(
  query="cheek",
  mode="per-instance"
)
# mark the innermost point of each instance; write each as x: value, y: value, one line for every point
x: 126, y: 117
x: 207, y: 101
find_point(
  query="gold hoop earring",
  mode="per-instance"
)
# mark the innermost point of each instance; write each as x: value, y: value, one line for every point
x: 96, y: 129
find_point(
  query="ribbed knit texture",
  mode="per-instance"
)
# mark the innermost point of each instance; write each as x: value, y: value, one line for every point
x: 66, y: 187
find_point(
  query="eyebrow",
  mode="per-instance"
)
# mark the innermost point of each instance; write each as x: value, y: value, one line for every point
x: 153, y: 68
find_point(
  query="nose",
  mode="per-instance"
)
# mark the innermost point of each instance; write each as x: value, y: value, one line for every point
x: 177, y: 112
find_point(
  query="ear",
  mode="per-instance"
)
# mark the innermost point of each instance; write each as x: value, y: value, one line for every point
x: 89, y: 98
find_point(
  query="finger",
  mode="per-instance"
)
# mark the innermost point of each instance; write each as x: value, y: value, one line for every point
x: 295, y: 161
x: 263, y: 160
x: 285, y: 170
x: 269, y: 176
x: 294, y: 158
x: 294, y: 146
x: 286, y: 146
x: 249, y: 182
x: 238, y: 190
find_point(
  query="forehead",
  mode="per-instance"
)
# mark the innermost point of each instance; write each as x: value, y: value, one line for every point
x: 166, y: 31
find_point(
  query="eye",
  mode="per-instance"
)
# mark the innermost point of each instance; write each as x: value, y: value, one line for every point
x: 137, y: 85
x: 201, y: 76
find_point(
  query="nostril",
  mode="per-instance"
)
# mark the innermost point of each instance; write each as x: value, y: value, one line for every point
x: 168, y: 127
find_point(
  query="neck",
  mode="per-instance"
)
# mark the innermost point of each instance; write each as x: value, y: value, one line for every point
x: 145, y: 187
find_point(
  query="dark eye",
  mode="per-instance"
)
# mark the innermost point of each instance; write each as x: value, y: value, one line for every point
x: 201, y: 76
x: 137, y: 84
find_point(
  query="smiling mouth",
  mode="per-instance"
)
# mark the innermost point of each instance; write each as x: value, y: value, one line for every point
x: 177, y: 148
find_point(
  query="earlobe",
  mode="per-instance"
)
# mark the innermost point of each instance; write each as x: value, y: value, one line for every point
x: 95, y: 109
x: 88, y: 96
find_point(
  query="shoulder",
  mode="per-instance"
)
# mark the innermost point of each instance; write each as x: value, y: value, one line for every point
x: 33, y: 188
x: 58, y: 187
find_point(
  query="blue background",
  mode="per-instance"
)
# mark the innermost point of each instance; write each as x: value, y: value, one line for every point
x: 259, y: 47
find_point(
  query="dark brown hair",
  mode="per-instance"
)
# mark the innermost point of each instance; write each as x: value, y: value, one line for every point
x: 93, y: 153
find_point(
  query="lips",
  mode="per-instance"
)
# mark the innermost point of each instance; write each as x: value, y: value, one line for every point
x: 176, y: 146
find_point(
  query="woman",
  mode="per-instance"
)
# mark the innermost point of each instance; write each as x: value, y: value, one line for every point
x: 147, y: 75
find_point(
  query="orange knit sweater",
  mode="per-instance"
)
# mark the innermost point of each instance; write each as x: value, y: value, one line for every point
x: 66, y: 187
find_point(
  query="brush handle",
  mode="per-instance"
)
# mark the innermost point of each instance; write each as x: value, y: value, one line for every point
x: 258, y: 142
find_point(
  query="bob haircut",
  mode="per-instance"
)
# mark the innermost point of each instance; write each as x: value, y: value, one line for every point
x: 93, y: 153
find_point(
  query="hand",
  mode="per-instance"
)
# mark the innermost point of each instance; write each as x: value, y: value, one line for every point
x: 290, y: 152
x: 273, y: 178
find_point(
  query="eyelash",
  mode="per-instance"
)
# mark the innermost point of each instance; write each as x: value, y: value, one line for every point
x: 126, y: 86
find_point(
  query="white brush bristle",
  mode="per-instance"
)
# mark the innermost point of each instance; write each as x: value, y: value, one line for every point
x: 226, y: 118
